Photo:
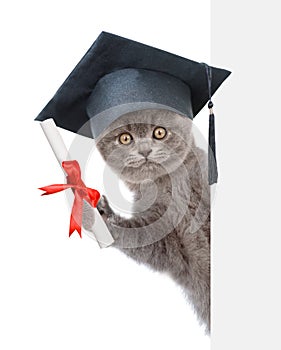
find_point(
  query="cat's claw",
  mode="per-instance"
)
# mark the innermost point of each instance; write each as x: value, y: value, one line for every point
x: 104, y: 208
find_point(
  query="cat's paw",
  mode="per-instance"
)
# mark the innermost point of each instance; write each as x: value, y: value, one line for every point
x: 104, y: 208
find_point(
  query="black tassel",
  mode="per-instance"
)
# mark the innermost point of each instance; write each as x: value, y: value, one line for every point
x: 212, y: 161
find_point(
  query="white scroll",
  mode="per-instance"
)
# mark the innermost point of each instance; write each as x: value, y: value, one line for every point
x: 99, y: 230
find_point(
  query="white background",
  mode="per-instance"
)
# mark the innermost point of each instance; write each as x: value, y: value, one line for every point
x: 56, y: 292
x: 246, y: 230
x: 59, y: 293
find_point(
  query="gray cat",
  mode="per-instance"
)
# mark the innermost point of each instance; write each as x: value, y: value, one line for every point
x: 154, y: 153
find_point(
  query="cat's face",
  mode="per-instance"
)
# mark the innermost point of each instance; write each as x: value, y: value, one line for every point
x: 146, y: 144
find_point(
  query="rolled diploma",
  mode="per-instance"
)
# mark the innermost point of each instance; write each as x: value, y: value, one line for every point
x: 99, y: 230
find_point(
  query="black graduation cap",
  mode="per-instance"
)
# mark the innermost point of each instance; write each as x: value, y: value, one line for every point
x: 119, y: 75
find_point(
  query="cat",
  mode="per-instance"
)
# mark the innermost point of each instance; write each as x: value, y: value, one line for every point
x: 153, y: 151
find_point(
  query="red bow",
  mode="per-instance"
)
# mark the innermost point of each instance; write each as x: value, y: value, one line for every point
x: 81, y: 192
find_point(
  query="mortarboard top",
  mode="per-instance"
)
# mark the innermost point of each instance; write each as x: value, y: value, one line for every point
x: 118, y: 75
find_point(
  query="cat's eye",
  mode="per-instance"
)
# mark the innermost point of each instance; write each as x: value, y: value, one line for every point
x: 125, y: 139
x: 159, y: 133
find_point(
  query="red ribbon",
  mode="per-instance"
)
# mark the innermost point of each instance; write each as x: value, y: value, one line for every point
x: 81, y: 192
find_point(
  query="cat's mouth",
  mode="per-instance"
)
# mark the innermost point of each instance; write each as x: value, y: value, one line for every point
x: 143, y: 168
x: 148, y: 164
x: 139, y: 163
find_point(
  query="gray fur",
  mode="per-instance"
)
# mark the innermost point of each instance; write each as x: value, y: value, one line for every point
x: 169, y: 230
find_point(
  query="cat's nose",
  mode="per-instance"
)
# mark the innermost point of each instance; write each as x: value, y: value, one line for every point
x: 145, y: 152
